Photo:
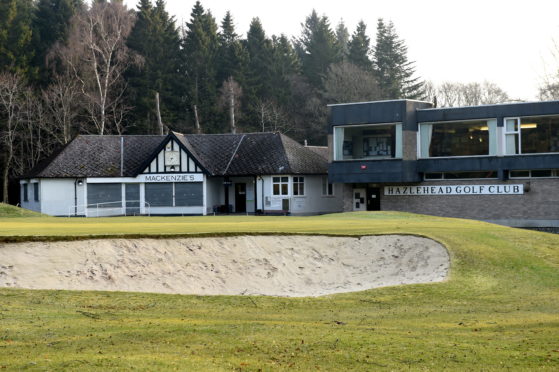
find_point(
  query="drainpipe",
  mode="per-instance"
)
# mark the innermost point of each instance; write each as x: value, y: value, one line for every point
x: 76, y: 197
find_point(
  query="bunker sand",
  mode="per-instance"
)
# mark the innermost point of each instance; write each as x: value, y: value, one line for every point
x: 293, y: 266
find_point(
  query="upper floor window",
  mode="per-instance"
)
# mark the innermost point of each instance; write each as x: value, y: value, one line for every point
x: 371, y: 141
x: 458, y: 138
x: 531, y: 135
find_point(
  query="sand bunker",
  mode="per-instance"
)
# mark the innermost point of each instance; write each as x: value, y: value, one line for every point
x: 249, y: 265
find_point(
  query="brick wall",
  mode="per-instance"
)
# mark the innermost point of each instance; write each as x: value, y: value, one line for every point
x: 541, y: 202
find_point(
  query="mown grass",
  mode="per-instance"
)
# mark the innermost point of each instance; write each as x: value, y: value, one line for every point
x: 499, y: 310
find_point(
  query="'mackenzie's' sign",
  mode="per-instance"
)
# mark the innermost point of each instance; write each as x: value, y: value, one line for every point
x: 189, y: 177
x: 455, y: 190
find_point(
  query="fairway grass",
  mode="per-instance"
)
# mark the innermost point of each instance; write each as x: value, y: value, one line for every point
x: 499, y: 310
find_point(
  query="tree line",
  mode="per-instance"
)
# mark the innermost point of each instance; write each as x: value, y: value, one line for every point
x: 67, y: 68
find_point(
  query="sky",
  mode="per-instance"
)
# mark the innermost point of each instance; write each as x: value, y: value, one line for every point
x: 513, y: 43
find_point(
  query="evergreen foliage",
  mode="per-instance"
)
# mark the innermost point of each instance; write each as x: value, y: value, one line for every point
x: 16, y: 37
x: 359, y: 48
x: 395, y: 74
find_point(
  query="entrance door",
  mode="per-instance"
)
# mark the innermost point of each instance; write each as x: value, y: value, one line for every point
x: 359, y: 200
x: 373, y: 199
x: 240, y: 197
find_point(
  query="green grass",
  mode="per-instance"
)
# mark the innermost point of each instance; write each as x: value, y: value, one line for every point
x: 8, y: 211
x: 499, y: 310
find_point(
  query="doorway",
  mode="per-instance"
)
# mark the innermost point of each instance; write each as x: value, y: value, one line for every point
x: 373, y: 199
x: 240, y: 197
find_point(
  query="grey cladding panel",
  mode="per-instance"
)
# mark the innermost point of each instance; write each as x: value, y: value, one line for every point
x: 159, y: 194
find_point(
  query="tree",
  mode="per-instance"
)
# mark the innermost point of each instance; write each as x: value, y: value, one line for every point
x: 549, y: 88
x: 11, y: 91
x: 342, y: 39
x: 97, y: 56
x: 51, y: 25
x: 454, y: 94
x: 395, y: 74
x: 156, y: 39
x: 230, y: 94
x: 359, y: 48
x: 346, y: 82
x: 232, y: 56
x: 317, y: 48
x: 62, y: 104
x: 16, y: 49
x: 200, y: 45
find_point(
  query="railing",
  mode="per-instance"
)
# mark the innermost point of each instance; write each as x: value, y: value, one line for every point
x: 105, y: 209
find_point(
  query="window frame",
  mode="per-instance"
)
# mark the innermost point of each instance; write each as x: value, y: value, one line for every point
x: 26, y: 192
x: 519, y: 144
x: 418, y: 139
x: 296, y: 185
x: 36, y: 191
x: 554, y: 174
x: 280, y: 183
x: 329, y: 187
x: 443, y: 178
x: 395, y: 124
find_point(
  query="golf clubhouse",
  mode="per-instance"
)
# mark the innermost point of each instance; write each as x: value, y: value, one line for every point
x: 498, y: 163
x: 176, y: 174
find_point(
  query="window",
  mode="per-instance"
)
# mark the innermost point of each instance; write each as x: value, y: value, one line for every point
x: 378, y: 141
x: 459, y: 138
x: 534, y: 173
x: 25, y: 194
x: 298, y: 186
x: 189, y: 194
x: 531, y: 135
x: 104, y: 195
x: 327, y: 187
x: 159, y: 194
x: 36, y: 192
x: 460, y: 175
x: 280, y: 186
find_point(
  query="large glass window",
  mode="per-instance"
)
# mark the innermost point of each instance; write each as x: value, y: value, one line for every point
x: 189, y: 194
x: 531, y: 135
x: 104, y: 195
x: 368, y: 142
x: 460, y: 175
x: 280, y: 185
x: 159, y: 194
x: 459, y: 138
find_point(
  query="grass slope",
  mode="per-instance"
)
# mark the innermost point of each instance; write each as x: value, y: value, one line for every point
x: 499, y: 309
x: 8, y: 211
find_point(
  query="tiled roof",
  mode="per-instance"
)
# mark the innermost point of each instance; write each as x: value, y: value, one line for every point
x: 98, y: 156
x: 220, y: 154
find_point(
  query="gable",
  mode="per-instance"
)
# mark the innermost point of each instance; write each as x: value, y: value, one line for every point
x: 172, y: 157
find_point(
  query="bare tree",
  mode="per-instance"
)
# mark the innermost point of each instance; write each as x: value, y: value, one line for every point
x: 11, y: 89
x: 97, y: 56
x: 61, y: 99
x: 273, y: 117
x: 549, y: 89
x: 345, y: 82
x: 230, y: 97
x: 454, y: 94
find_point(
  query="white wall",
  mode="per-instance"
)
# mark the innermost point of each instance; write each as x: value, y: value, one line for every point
x: 214, y: 193
x: 312, y: 202
x: 57, y: 196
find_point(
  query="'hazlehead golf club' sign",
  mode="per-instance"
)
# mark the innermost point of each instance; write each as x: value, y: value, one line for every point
x: 455, y: 190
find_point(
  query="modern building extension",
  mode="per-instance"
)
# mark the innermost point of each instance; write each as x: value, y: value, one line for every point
x: 493, y: 162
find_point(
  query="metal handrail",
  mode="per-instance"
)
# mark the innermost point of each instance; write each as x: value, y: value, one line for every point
x: 85, y: 207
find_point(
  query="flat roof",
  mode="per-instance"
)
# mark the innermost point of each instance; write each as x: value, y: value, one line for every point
x: 382, y: 101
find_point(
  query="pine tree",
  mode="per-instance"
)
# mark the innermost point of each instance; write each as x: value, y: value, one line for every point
x: 359, y: 48
x: 155, y: 37
x: 50, y: 25
x: 200, y: 46
x: 342, y: 39
x: 317, y: 48
x: 395, y: 74
x: 16, y: 47
x: 259, y: 49
x: 232, y: 57
x: 285, y: 64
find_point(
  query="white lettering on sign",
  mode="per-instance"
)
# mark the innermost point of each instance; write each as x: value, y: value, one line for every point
x: 455, y: 190
x: 171, y: 177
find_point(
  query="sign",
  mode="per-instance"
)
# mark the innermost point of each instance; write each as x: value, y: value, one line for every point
x: 185, y: 177
x: 455, y: 190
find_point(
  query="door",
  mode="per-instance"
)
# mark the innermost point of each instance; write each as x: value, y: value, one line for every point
x: 240, y: 197
x: 373, y: 199
x: 359, y: 202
